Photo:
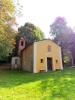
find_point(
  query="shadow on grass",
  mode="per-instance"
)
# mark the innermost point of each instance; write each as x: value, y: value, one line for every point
x: 12, y: 78
x: 60, y: 86
x: 51, y: 79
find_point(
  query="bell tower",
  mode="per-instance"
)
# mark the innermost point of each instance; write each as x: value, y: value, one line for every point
x: 21, y: 45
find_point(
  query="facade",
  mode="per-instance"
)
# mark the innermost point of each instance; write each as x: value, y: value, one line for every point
x: 41, y: 56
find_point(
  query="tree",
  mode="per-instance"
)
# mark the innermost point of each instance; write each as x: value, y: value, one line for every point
x: 6, y: 10
x: 58, y: 26
x: 7, y: 34
x: 7, y: 41
x: 18, y: 8
x: 62, y: 33
x: 71, y: 47
x: 31, y: 33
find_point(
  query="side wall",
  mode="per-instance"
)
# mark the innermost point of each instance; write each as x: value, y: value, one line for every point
x: 27, y: 59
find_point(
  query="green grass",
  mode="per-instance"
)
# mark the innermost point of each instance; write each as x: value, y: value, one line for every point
x: 53, y: 85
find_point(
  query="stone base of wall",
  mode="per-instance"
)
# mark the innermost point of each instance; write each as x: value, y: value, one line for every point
x: 5, y: 66
x: 15, y: 63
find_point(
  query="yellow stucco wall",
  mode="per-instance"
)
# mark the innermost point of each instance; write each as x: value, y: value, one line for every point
x: 42, y: 53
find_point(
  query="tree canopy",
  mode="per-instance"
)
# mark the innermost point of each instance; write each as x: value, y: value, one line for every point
x: 64, y: 36
x: 31, y: 32
x: 58, y: 26
x: 6, y: 9
x: 7, y: 34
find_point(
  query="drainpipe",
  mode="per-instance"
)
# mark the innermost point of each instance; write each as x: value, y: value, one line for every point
x: 72, y: 60
x: 62, y: 53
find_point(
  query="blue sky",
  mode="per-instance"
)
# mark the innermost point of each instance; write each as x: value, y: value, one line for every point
x: 43, y: 12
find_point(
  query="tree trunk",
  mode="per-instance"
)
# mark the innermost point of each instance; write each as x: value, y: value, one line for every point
x: 72, y: 60
x: 62, y: 57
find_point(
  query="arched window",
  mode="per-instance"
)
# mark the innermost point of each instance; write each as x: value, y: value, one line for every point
x: 49, y: 48
x: 41, y: 60
x: 56, y: 61
x: 22, y: 43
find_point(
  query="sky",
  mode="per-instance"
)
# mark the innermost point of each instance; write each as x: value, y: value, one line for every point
x: 42, y: 13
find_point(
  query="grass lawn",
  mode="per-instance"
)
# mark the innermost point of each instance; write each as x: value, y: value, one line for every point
x: 53, y: 85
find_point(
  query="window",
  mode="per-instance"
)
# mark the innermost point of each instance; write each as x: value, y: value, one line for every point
x: 49, y: 48
x: 41, y: 60
x: 22, y: 43
x: 16, y: 61
x: 56, y: 61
